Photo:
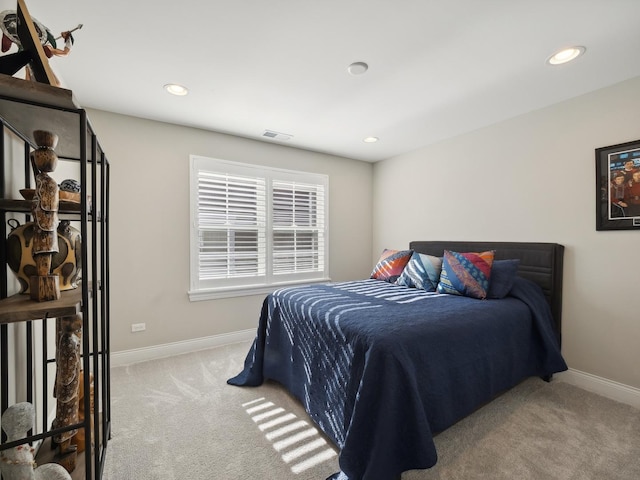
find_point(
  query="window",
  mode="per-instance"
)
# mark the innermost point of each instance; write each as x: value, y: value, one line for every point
x: 254, y: 227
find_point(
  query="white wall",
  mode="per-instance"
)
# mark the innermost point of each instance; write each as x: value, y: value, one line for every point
x: 532, y: 178
x: 149, y: 222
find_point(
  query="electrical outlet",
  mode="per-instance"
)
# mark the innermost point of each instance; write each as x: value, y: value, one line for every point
x: 138, y: 327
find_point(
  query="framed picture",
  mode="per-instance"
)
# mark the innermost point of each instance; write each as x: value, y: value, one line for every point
x: 618, y: 187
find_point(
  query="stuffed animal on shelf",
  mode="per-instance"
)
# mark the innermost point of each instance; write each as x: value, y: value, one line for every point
x: 17, y: 463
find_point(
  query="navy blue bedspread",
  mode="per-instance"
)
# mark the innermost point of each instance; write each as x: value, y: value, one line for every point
x: 381, y: 368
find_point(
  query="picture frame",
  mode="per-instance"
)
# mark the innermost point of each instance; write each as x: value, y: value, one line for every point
x: 618, y: 187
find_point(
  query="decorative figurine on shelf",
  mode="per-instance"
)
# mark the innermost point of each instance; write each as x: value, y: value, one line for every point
x: 44, y: 285
x: 10, y: 35
x: 9, y: 27
x: 66, y: 390
x: 17, y: 463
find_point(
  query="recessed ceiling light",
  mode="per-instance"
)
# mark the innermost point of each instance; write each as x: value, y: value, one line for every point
x: 565, y: 55
x: 370, y: 140
x: 175, y: 89
x: 357, y: 68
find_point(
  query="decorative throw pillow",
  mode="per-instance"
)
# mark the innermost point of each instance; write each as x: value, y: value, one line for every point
x: 391, y: 264
x: 422, y: 271
x: 466, y: 274
x: 503, y: 274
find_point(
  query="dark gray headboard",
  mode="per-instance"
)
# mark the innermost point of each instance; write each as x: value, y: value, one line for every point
x: 539, y: 262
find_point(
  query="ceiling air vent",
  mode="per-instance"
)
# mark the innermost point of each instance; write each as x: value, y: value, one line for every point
x: 276, y: 135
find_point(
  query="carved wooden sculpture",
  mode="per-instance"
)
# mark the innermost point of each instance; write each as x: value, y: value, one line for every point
x: 66, y: 392
x: 45, y: 286
x: 79, y: 439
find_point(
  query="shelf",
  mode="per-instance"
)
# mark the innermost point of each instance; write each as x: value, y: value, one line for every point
x: 35, y: 92
x: 24, y: 206
x: 20, y: 307
x: 29, y: 106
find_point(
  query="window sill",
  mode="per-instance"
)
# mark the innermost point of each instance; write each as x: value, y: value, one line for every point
x: 247, y: 290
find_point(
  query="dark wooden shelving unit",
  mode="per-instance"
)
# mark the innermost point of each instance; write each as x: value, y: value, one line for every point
x: 27, y: 326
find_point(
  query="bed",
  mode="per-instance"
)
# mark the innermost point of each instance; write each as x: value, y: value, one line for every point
x: 381, y: 368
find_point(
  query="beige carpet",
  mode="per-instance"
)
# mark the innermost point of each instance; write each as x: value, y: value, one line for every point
x: 177, y: 419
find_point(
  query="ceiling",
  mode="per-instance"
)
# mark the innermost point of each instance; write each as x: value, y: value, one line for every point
x: 437, y: 68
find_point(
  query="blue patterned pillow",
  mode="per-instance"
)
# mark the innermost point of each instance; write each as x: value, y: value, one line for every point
x: 422, y: 271
x: 503, y: 274
x: 466, y: 274
x: 391, y: 264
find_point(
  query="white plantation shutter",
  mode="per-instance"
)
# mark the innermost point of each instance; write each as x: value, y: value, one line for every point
x: 298, y: 227
x: 231, y: 224
x: 253, y: 227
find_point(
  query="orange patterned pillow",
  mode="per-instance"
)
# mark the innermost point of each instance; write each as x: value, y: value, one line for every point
x: 391, y: 264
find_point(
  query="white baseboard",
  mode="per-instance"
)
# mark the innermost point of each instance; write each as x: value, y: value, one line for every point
x: 127, y: 357
x: 602, y: 386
